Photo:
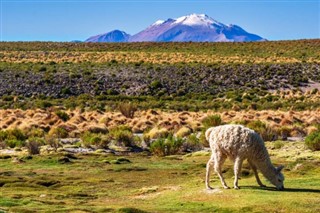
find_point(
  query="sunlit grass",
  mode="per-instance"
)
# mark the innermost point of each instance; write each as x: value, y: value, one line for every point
x: 151, y: 184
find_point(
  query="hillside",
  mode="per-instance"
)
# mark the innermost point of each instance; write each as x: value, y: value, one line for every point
x: 169, y: 71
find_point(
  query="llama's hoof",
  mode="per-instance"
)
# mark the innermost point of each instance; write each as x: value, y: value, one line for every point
x: 209, y: 188
x: 226, y: 187
x: 237, y: 187
x: 264, y: 186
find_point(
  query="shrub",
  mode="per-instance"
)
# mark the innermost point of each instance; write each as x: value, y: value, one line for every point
x: 183, y: 132
x: 157, y: 133
x: 89, y: 139
x: 173, y: 145
x: 12, y: 138
x: 58, y: 132
x: 53, y: 142
x: 12, y: 143
x: 3, y: 135
x: 16, y: 134
x: 33, y: 145
x: 312, y: 141
x: 266, y: 133
x: 123, y: 135
x: 36, y: 132
x: 62, y: 115
x: 127, y: 109
x: 211, y: 121
x: 192, y: 144
x: 166, y: 146
x: 158, y: 147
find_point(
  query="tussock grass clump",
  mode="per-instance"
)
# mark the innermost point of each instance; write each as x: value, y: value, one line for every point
x: 58, y: 132
x: 93, y: 139
x: 166, y: 146
x: 211, y: 121
x: 12, y: 138
x: 33, y: 145
x: 62, y: 115
x: 312, y: 141
x: 266, y: 132
x: 192, y: 144
x: 122, y: 135
x: 128, y: 109
x: 207, y: 122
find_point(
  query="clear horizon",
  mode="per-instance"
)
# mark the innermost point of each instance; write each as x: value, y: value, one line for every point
x: 56, y: 20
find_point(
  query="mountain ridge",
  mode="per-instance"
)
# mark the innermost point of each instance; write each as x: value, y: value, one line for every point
x: 193, y: 27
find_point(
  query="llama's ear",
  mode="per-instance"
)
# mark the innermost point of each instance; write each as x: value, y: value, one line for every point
x: 208, y: 132
x: 279, y: 168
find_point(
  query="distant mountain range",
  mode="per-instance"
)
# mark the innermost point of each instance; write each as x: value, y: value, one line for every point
x: 193, y: 27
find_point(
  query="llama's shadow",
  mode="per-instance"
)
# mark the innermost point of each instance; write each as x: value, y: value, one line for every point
x: 285, y: 190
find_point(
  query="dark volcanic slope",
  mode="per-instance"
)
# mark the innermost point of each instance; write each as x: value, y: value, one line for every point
x: 75, y: 79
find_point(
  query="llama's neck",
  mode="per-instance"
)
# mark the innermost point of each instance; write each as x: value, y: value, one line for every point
x: 263, y: 163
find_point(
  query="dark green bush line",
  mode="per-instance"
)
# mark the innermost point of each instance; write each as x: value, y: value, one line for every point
x: 302, y: 49
x: 203, y: 81
x: 189, y: 102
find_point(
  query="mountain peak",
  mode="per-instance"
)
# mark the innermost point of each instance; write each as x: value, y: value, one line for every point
x: 193, y: 27
x: 113, y: 36
x: 197, y: 19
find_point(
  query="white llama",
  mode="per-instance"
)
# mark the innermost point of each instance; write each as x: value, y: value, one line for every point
x: 239, y: 143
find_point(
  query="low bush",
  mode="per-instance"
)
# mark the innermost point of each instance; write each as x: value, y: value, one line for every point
x: 127, y: 109
x: 36, y: 132
x: 12, y: 138
x: 53, y: 142
x: 122, y: 135
x: 266, y: 132
x: 211, y: 121
x: 89, y: 139
x: 33, y: 145
x: 192, y: 144
x: 58, y: 132
x: 62, y: 115
x: 312, y: 141
x: 166, y: 146
x: 12, y: 143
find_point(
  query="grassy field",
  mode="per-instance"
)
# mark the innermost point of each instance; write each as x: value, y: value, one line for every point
x: 138, y: 183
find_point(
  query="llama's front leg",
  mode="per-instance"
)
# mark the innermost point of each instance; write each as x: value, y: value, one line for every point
x: 209, y: 166
x: 254, y: 168
x: 237, y: 170
x: 218, y: 162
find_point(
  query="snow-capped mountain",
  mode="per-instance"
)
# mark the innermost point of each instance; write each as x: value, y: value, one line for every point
x: 113, y: 36
x: 193, y: 27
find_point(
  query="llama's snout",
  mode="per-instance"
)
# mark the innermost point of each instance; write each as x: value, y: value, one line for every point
x: 281, y: 188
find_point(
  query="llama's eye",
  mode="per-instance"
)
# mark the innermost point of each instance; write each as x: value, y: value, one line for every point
x: 279, y: 180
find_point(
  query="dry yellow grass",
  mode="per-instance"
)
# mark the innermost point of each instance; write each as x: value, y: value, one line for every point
x: 79, y: 121
x: 149, y: 57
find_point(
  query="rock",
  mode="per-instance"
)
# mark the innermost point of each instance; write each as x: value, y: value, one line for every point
x: 69, y: 140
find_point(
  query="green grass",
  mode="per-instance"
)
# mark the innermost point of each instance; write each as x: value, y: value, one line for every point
x: 152, y: 184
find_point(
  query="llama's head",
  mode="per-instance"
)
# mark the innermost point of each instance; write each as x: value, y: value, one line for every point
x: 278, y: 178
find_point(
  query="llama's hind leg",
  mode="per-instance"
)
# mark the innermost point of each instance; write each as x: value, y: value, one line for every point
x: 237, y: 169
x: 209, y: 166
x: 254, y: 168
x: 218, y: 162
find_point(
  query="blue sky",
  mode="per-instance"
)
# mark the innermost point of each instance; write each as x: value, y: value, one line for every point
x: 58, y: 20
